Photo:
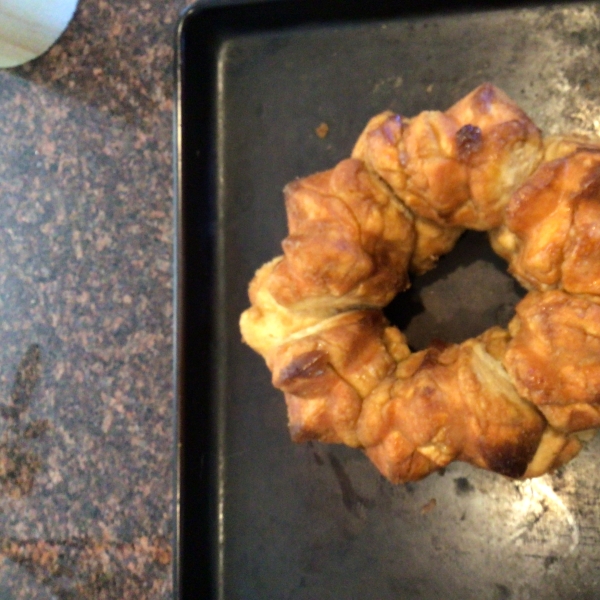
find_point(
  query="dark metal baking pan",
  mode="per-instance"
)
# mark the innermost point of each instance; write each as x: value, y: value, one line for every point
x: 260, y: 517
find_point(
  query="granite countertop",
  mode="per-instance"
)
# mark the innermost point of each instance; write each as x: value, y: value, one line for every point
x: 86, y: 405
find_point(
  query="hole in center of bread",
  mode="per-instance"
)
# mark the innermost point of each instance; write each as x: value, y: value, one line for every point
x: 468, y: 292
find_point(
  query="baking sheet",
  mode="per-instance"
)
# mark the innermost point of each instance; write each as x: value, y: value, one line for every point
x: 260, y: 517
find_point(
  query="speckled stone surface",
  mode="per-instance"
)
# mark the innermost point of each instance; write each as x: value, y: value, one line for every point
x: 86, y: 403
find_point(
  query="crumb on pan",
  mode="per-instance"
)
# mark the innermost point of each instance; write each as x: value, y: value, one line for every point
x: 428, y: 507
x: 322, y: 130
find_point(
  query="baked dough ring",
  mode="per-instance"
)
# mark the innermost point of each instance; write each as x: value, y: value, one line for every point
x: 513, y: 401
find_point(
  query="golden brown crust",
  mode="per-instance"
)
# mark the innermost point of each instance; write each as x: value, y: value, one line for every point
x: 555, y: 449
x: 554, y: 357
x: 327, y: 373
x: 458, y: 168
x: 349, y: 244
x: 453, y: 404
x: 267, y: 324
x: 433, y: 241
x: 550, y: 235
x: 581, y: 264
x: 513, y: 401
x: 380, y: 147
x: 559, y: 146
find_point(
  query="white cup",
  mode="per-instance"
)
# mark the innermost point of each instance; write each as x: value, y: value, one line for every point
x: 29, y: 27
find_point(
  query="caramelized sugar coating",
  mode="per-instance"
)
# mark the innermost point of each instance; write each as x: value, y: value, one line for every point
x: 456, y: 168
x: 505, y: 153
x: 554, y: 357
x: 328, y: 372
x: 511, y: 401
x: 379, y: 147
x: 550, y: 235
x: 452, y: 404
x: 349, y: 242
